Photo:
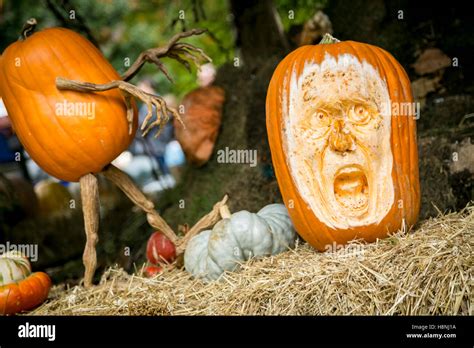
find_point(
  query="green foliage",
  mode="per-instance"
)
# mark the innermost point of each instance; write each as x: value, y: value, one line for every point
x: 125, y: 28
x: 296, y: 12
x: 13, y: 14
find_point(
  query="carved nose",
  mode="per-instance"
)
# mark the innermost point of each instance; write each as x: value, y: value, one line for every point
x: 341, y: 139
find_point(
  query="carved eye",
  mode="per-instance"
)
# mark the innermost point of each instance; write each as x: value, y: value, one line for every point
x: 359, y: 114
x: 320, y: 119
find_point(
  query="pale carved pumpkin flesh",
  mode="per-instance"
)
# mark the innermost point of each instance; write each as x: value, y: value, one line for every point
x: 337, y: 135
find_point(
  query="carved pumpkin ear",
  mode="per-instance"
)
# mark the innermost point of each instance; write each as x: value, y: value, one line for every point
x: 344, y: 180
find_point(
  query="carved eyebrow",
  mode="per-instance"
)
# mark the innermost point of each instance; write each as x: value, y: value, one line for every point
x: 324, y: 105
x: 366, y: 102
x: 339, y: 104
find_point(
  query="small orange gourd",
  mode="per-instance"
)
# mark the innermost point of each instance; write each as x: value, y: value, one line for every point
x: 20, y: 290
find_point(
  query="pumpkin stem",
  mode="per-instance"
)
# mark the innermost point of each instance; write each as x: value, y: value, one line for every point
x: 28, y: 28
x: 328, y: 39
x: 206, y: 221
x: 225, y: 212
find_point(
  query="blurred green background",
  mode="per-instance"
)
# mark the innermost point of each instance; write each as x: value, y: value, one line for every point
x: 124, y: 28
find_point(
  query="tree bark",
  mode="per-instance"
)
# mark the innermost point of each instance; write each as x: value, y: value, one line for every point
x: 259, y: 31
x: 262, y: 46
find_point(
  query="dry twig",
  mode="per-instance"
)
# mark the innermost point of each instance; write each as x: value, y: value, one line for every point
x: 123, y: 181
x: 424, y: 272
x: 129, y: 91
x: 206, y: 221
x: 184, y: 53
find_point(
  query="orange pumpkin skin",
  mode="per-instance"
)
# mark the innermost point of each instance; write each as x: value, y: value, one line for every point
x: 25, y: 294
x: 404, y: 174
x: 66, y: 133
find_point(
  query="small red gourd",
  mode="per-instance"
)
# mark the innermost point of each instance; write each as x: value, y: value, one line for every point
x: 151, y: 271
x: 160, y: 249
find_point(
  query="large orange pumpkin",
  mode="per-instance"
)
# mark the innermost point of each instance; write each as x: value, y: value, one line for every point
x: 67, y: 133
x: 342, y: 133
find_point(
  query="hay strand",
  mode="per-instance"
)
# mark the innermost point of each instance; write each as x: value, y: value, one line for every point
x: 425, y: 272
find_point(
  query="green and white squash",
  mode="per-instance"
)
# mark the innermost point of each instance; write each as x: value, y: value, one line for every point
x: 14, y: 267
x: 237, y: 238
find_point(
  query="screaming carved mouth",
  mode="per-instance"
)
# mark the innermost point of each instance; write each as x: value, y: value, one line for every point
x: 351, y: 189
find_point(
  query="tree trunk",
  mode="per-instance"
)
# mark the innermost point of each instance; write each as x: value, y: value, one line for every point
x: 262, y: 45
x: 260, y: 34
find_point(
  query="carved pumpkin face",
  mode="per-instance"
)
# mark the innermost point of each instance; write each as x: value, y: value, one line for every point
x: 340, y: 125
x: 332, y: 133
